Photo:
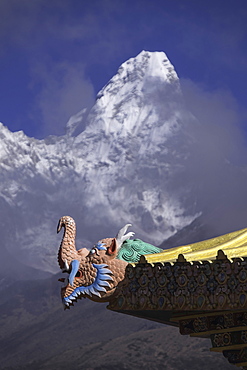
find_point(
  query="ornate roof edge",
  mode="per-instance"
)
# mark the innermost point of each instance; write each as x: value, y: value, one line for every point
x: 233, y: 245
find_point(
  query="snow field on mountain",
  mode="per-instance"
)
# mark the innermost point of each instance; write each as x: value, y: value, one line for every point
x: 120, y: 168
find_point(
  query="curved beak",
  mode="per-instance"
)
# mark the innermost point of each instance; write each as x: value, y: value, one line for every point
x: 59, y: 226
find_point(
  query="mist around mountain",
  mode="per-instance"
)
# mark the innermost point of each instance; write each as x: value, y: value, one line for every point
x: 151, y: 151
x: 141, y: 154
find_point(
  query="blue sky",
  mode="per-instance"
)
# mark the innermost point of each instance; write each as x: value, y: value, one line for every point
x: 56, y: 55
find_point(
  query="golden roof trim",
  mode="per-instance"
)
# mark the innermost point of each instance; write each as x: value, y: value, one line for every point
x: 234, y: 245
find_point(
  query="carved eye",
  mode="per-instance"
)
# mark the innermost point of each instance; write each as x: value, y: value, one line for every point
x: 94, y: 250
x: 78, y: 274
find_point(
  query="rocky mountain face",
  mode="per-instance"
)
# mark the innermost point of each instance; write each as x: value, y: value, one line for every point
x: 117, y: 163
x: 137, y: 156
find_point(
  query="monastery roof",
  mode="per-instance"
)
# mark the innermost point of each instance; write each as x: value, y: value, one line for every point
x: 233, y: 245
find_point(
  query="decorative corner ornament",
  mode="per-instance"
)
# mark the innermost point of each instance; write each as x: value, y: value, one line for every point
x: 95, y: 274
x: 200, y: 287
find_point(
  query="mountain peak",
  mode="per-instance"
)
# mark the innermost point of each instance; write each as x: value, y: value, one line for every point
x: 153, y: 64
x: 150, y: 72
x: 130, y: 97
x: 135, y: 71
x: 121, y: 166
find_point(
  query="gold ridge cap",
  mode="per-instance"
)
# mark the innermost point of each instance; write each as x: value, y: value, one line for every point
x: 234, y: 244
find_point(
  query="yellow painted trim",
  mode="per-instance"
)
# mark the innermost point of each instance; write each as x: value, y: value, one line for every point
x: 233, y: 244
x: 234, y: 328
x: 234, y: 346
x: 240, y: 364
x: 200, y: 314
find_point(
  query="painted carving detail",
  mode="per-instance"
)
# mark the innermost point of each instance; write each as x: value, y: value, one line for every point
x: 220, y: 284
x: 96, y: 273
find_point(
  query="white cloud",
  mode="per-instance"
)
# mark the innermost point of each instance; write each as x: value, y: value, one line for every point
x: 63, y: 91
x: 217, y: 162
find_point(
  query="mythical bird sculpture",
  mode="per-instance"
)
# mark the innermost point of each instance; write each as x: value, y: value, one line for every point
x: 96, y: 273
x: 203, y: 282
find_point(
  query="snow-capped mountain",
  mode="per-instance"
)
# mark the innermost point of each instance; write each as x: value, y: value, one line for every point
x: 126, y: 160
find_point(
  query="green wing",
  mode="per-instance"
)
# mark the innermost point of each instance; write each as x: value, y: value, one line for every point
x: 131, y: 250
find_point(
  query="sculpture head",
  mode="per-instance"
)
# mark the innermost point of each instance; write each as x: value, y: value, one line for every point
x: 94, y: 274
